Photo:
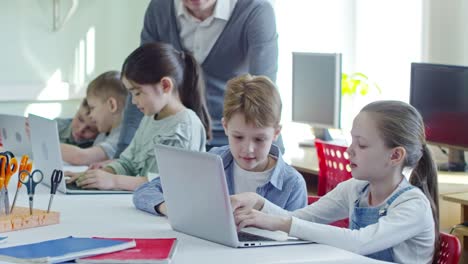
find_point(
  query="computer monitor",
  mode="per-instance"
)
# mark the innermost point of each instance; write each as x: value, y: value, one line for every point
x: 440, y: 93
x: 316, y: 91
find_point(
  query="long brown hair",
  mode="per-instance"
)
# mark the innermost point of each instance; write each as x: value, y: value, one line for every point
x: 149, y: 63
x: 400, y: 124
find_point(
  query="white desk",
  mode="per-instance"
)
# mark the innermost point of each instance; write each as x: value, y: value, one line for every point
x: 115, y: 216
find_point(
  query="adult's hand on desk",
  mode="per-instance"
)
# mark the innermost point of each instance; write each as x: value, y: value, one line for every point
x: 96, y: 179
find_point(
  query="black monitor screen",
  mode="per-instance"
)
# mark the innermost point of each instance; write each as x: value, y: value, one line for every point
x: 440, y: 93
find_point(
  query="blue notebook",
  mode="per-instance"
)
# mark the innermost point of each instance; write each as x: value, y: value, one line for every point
x: 61, y: 250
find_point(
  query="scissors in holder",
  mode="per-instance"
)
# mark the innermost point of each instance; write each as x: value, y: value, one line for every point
x: 8, y: 167
x: 24, y: 165
x: 7, y: 154
x: 55, y: 179
x: 30, y: 181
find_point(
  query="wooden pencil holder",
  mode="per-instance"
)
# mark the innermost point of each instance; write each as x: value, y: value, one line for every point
x: 21, y: 219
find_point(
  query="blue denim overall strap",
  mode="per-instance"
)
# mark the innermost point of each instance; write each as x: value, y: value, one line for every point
x: 364, y: 216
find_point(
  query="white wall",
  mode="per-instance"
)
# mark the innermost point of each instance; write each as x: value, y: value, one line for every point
x: 446, y: 32
x: 40, y: 64
x: 388, y: 39
x: 312, y: 26
x: 37, y: 63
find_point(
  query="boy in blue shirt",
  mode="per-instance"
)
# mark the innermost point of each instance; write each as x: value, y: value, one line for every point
x: 251, y: 120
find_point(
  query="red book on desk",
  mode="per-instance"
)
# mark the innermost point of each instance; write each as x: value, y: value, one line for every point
x: 147, y: 250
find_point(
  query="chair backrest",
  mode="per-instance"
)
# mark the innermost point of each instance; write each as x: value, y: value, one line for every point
x: 333, y: 165
x: 450, y: 249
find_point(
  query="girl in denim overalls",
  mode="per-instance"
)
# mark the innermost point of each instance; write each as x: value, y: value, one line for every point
x: 391, y: 218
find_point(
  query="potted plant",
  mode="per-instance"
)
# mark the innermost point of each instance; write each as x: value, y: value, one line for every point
x: 357, y: 90
x: 357, y: 83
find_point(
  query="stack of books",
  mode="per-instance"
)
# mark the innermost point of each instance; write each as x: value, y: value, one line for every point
x: 92, y: 250
x: 150, y: 250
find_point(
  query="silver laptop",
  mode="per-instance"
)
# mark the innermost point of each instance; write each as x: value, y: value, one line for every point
x: 47, y: 156
x: 198, y: 203
x: 13, y: 134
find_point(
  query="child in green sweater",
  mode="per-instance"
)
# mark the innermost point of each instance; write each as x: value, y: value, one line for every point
x: 167, y: 87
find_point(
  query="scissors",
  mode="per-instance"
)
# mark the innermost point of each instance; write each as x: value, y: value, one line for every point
x: 57, y: 176
x: 7, y: 154
x: 31, y: 182
x: 8, y: 167
x: 24, y: 165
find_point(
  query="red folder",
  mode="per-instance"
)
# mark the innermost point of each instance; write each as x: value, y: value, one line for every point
x: 147, y: 250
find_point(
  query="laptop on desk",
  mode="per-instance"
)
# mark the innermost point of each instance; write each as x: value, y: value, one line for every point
x: 13, y: 134
x: 198, y: 203
x: 47, y: 156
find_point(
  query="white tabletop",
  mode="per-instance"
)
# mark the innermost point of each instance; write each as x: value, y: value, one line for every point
x: 115, y: 216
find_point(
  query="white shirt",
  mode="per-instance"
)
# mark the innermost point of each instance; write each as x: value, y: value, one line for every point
x: 408, y: 226
x: 249, y: 181
x: 198, y: 36
x: 108, y: 142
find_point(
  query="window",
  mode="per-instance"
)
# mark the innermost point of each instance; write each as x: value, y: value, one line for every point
x: 378, y: 38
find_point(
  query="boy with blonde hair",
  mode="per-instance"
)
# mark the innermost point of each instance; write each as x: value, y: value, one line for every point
x: 106, y: 97
x: 251, y: 121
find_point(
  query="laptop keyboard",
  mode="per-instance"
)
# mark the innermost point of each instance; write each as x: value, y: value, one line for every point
x: 243, y: 236
x: 73, y: 186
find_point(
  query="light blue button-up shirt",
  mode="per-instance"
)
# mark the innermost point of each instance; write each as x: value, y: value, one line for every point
x: 286, y: 187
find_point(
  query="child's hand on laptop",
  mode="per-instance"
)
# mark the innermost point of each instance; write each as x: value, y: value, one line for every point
x: 247, y: 201
x: 96, y: 179
x: 254, y: 218
x: 72, y: 176
x: 100, y: 165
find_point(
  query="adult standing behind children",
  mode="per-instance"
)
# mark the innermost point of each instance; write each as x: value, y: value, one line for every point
x: 167, y: 89
x: 228, y: 38
x: 391, y: 218
x: 106, y: 99
x: 251, y: 120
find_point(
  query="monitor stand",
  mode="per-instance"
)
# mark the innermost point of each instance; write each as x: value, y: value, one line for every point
x: 320, y: 133
x: 456, y: 161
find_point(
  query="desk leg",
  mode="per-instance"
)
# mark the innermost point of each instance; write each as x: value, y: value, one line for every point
x: 464, y: 218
